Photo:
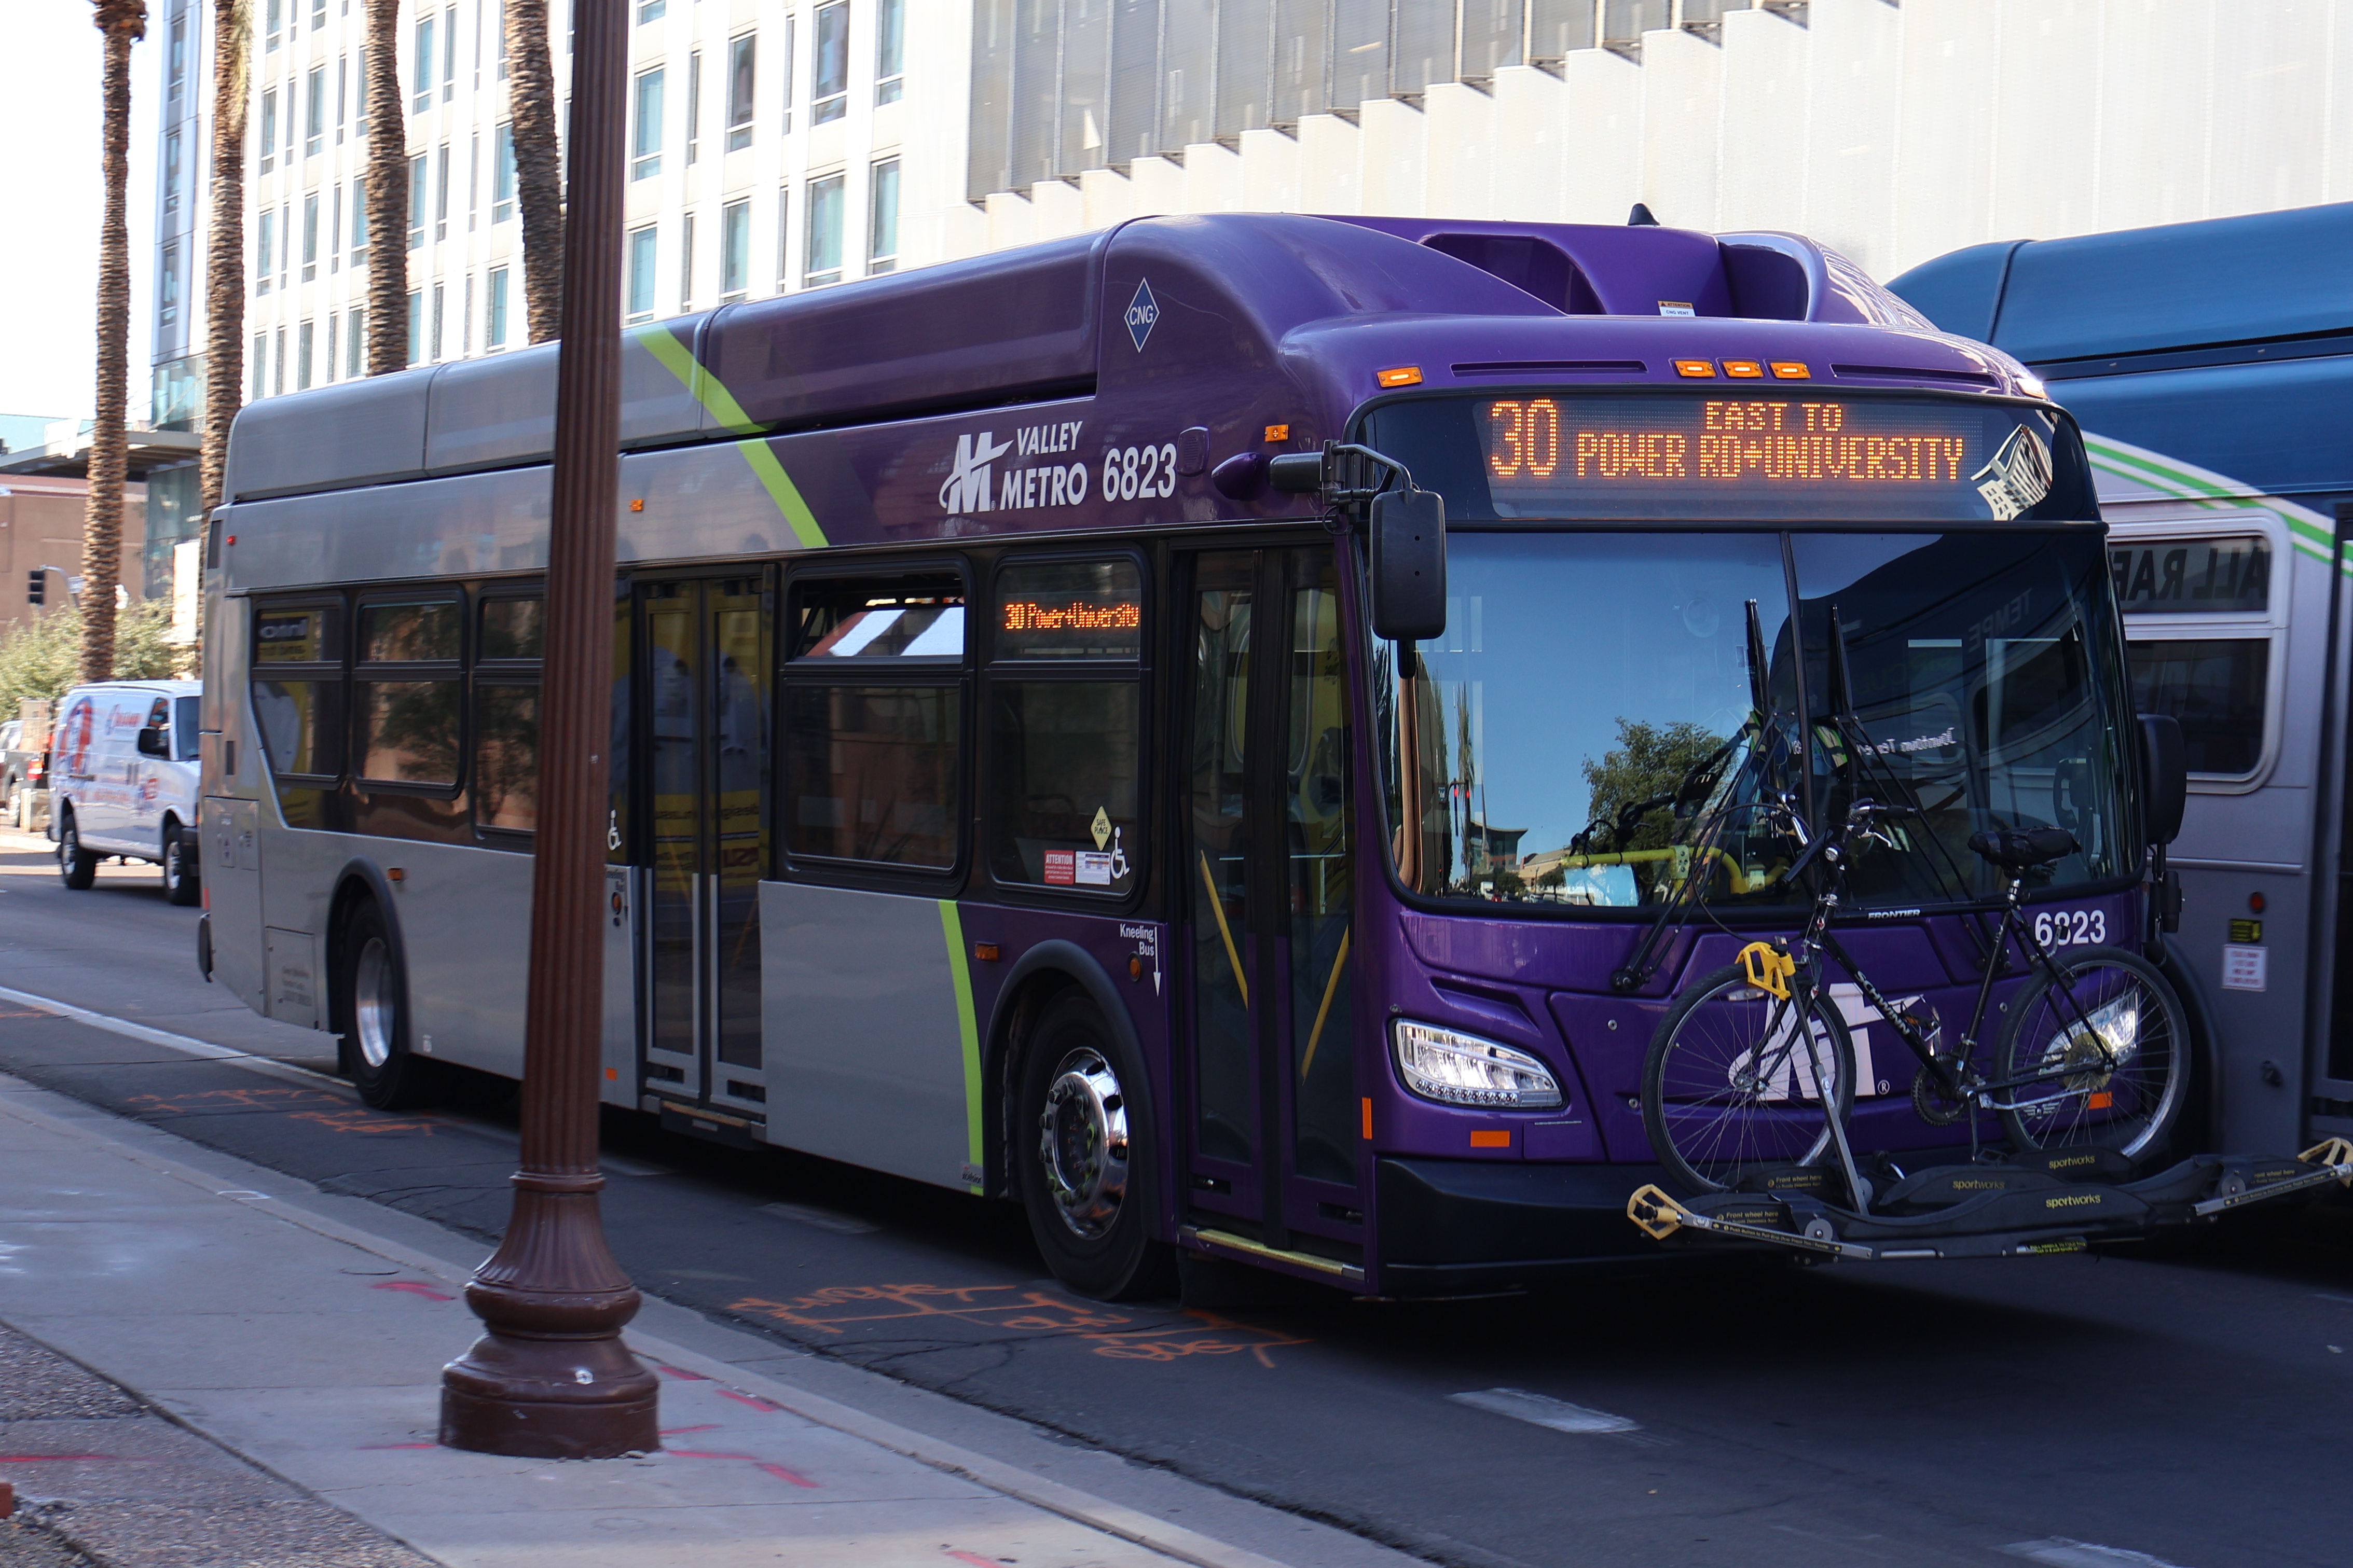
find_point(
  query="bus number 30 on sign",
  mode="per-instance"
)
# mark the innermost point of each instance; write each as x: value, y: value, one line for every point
x: 1135, y: 473
x: 2070, y: 928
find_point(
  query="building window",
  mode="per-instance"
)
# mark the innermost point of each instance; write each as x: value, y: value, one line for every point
x: 442, y: 196
x: 499, y: 71
x: 310, y: 237
x: 172, y: 170
x: 343, y: 95
x: 318, y: 15
x: 502, y: 176
x: 882, y: 218
x: 823, y: 257
x: 785, y: 71
x: 327, y: 364
x: 302, y: 357
x: 314, y: 111
x: 693, y: 105
x: 652, y: 11
x: 423, y: 100
x: 784, y: 239
x: 290, y: 123
x: 473, y: 176
x: 355, y: 341
x: 335, y: 257
x: 438, y: 293
x: 741, y: 78
x: 415, y: 325
x: 176, y: 67
x: 417, y: 202
x: 277, y: 379
x: 642, y: 259
x: 448, y: 54
x: 265, y: 261
x: 260, y: 373
x: 686, y: 264
x: 494, y: 325
x: 466, y: 319
x: 734, y: 250
x: 272, y: 15
x: 645, y: 152
x: 831, y: 92
x: 269, y: 130
x: 359, y: 226
x: 889, y: 50
x: 167, y: 291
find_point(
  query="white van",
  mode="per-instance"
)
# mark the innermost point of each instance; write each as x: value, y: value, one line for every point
x: 123, y: 780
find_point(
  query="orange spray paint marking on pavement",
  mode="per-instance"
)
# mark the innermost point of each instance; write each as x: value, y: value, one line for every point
x: 410, y: 1286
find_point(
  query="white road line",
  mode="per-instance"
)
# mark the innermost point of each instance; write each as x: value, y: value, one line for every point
x: 823, y: 1219
x: 2061, y: 1553
x: 1543, y: 1411
x: 187, y: 1045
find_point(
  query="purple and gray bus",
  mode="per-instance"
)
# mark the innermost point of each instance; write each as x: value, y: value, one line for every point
x: 1010, y: 792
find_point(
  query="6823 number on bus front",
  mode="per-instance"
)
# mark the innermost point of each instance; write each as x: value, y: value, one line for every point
x: 2071, y: 928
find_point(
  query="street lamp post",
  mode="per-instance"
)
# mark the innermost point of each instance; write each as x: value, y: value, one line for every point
x: 550, y: 1377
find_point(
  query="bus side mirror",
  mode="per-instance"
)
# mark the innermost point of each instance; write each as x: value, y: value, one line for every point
x: 2165, y: 768
x: 1296, y: 473
x: 151, y: 742
x: 1409, y: 530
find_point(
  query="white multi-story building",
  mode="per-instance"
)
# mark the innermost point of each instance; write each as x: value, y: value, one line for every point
x: 783, y: 144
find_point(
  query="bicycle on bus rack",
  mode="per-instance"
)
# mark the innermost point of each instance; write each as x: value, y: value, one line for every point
x: 1752, y: 1070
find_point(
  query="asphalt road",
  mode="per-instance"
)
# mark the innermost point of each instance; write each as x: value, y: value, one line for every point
x: 2071, y: 1411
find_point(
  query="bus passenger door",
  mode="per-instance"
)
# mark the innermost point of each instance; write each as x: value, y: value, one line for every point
x: 1272, y: 1145
x: 700, y: 784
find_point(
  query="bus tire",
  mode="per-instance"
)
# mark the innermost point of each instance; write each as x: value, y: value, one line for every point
x: 372, y: 1015
x: 180, y: 884
x: 76, y: 864
x: 1083, y: 1156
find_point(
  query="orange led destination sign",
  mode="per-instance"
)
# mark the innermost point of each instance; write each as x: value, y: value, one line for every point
x: 1077, y: 615
x: 1733, y: 441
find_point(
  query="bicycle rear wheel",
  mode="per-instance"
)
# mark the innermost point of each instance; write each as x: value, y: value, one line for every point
x: 1731, y: 1087
x: 2108, y: 1041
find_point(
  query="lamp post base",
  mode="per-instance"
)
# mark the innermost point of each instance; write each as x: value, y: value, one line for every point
x: 551, y: 1398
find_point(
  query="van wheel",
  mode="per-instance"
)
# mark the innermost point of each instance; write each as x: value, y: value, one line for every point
x: 372, y: 1003
x: 77, y: 865
x: 1084, y: 1145
x: 180, y: 883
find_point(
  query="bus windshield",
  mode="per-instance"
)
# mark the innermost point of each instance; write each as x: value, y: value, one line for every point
x: 1582, y: 734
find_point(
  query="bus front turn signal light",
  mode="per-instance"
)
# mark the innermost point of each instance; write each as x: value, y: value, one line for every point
x: 1402, y: 375
x: 1790, y: 370
x: 1696, y: 369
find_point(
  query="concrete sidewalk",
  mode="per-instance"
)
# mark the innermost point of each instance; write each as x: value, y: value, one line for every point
x: 252, y: 1310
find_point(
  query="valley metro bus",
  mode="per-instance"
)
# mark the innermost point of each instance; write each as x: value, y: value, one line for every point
x: 1008, y: 792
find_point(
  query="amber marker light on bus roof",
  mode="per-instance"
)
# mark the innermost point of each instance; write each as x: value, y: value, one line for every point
x: 1403, y: 376
x: 1790, y: 370
x: 1278, y: 432
x: 1743, y: 370
x: 1697, y: 369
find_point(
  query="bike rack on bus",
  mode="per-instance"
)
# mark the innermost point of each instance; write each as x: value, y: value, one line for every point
x: 1999, y: 1210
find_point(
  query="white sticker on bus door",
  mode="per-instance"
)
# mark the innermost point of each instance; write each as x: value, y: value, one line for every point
x: 2244, y: 968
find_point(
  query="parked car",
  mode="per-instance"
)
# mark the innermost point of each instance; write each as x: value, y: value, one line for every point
x: 24, y: 766
x: 124, y: 780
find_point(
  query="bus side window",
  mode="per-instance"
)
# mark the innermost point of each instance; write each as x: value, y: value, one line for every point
x: 507, y: 648
x: 298, y: 692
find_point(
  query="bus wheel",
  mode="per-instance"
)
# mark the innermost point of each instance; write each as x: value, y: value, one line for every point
x: 373, y: 1006
x: 77, y: 865
x: 1082, y: 1144
x: 180, y: 885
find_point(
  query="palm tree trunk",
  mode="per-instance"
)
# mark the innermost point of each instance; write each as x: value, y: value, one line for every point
x: 224, y: 245
x: 123, y: 22
x: 539, y: 164
x: 387, y: 192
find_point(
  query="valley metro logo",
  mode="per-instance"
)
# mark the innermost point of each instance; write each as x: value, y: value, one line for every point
x: 966, y: 487
x: 1142, y: 312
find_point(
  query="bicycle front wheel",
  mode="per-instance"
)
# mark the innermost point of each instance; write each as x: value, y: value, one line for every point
x: 2096, y: 1050
x: 1734, y: 1084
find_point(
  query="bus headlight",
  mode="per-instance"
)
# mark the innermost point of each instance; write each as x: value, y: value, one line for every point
x: 1455, y: 1069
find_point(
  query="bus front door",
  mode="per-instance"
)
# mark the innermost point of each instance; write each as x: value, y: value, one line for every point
x: 1273, y: 1146
x: 701, y: 812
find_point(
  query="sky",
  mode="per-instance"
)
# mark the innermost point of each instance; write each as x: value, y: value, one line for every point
x: 51, y: 112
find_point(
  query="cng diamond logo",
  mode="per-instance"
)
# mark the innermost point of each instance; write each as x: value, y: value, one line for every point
x: 1142, y: 312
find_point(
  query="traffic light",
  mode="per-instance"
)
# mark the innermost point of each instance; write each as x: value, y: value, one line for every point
x: 40, y: 582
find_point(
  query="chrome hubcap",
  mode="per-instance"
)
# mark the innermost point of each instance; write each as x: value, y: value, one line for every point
x: 372, y: 1002
x: 1082, y: 1144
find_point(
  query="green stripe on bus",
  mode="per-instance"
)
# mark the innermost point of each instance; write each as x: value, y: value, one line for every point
x: 960, y: 975
x: 713, y: 394
x: 2308, y: 537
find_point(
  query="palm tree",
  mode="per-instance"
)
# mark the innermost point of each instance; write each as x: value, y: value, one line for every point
x: 225, y: 246
x: 387, y: 192
x: 123, y: 22
x: 539, y: 172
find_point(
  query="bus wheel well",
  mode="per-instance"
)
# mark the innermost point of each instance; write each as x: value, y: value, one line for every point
x: 1016, y: 1017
